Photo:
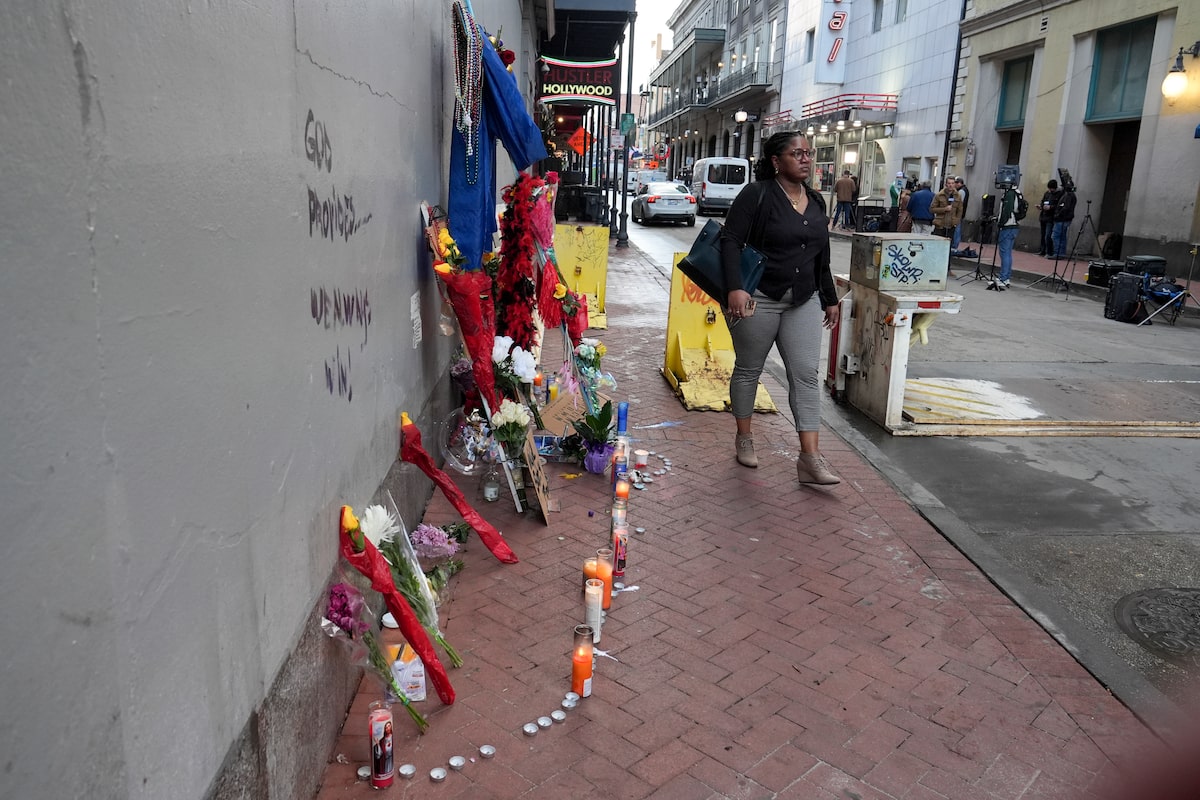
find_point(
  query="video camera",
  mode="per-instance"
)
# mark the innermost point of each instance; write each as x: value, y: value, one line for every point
x: 1008, y: 176
x: 1065, y: 180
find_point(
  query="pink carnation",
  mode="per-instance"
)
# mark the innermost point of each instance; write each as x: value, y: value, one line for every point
x: 432, y: 542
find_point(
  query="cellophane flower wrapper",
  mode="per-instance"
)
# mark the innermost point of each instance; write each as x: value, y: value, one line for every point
x: 411, y: 581
x: 349, y: 620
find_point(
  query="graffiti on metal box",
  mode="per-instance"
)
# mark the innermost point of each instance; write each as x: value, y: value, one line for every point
x: 899, y: 266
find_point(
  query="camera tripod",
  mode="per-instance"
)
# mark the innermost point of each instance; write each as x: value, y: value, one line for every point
x: 1072, y: 259
x: 986, y: 226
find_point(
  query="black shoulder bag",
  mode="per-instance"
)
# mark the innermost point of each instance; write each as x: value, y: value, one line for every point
x: 702, y: 264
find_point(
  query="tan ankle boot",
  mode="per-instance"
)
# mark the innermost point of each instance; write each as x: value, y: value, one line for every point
x: 813, y: 468
x: 743, y: 444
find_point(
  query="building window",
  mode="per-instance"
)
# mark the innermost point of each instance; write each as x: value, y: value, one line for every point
x: 1014, y: 94
x: 877, y: 17
x: 1120, y: 71
x: 810, y: 41
x: 901, y: 10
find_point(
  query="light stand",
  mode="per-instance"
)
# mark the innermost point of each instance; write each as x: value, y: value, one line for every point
x: 987, y: 225
x: 1072, y: 258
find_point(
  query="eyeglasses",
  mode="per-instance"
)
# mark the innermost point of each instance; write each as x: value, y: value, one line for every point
x: 802, y: 155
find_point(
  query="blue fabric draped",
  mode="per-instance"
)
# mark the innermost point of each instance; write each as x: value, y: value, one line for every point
x: 472, y: 208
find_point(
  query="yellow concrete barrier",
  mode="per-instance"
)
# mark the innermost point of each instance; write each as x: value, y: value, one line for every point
x: 699, y: 354
x: 582, y: 252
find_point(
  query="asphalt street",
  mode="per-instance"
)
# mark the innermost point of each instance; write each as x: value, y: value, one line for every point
x: 1069, y: 526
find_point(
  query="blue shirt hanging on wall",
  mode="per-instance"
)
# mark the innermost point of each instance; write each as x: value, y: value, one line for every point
x: 473, y: 179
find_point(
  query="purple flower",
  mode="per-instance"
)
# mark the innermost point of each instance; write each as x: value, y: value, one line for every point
x: 432, y: 542
x: 345, y: 609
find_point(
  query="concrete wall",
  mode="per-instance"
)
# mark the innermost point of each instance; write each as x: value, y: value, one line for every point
x: 182, y: 412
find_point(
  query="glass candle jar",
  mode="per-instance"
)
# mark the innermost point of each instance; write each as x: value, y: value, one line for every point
x: 581, y: 661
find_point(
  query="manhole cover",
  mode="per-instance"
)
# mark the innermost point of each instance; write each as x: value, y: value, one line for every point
x: 1164, y: 621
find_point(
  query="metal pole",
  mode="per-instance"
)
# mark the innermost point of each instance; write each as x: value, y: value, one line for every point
x: 612, y: 158
x: 623, y: 235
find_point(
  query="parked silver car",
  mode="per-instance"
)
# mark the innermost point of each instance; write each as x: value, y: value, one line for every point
x: 664, y: 202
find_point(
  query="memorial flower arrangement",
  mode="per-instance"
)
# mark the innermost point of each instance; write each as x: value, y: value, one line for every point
x: 512, y: 365
x: 509, y: 426
x: 589, y: 352
x: 384, y: 531
x: 437, y: 545
x: 593, y: 440
x: 346, y: 619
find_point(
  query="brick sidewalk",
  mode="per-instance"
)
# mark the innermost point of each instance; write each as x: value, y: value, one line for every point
x: 784, y: 642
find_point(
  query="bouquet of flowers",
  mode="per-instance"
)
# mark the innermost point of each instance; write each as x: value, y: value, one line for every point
x: 512, y: 365
x: 586, y: 361
x: 346, y: 619
x: 589, y: 352
x: 382, y: 528
x: 509, y: 426
x: 439, y: 544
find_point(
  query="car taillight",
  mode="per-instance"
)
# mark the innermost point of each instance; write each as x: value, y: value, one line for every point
x: 691, y: 200
x: 651, y: 198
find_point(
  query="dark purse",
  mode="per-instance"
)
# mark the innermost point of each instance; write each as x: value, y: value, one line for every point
x: 702, y: 264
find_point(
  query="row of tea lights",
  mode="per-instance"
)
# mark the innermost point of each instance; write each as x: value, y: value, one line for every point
x: 486, y: 751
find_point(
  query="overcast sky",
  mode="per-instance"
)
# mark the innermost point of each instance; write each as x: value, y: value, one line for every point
x: 652, y: 18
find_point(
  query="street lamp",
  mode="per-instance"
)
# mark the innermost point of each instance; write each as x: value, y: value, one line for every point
x: 1175, y: 84
x: 740, y: 116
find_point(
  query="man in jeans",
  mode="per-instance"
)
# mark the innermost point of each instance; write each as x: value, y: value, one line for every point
x: 844, y: 190
x: 1064, y: 212
x: 1007, y: 220
x: 919, y: 209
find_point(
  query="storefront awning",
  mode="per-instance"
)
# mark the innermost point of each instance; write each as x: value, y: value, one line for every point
x: 581, y: 30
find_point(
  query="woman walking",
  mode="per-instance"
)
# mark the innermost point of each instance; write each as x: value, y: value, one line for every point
x: 795, y: 297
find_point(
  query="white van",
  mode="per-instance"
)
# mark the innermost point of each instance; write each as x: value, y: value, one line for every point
x: 645, y: 177
x: 716, y: 181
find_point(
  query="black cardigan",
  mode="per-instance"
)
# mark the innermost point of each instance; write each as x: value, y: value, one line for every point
x: 796, y: 247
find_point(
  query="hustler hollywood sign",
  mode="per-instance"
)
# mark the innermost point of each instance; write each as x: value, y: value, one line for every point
x: 580, y: 81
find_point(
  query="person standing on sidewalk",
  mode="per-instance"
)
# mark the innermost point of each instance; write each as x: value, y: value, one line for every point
x: 795, y: 297
x: 1007, y: 220
x: 918, y: 209
x: 1046, y: 217
x: 844, y: 191
x: 964, y: 197
x: 946, y: 210
x: 1064, y: 213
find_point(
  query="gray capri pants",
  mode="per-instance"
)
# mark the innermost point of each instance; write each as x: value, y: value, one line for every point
x: 797, y: 332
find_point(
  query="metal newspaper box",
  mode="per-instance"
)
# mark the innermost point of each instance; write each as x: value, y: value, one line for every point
x: 884, y: 325
x: 890, y: 261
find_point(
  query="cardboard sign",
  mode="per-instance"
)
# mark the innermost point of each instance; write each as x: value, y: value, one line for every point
x: 537, y: 480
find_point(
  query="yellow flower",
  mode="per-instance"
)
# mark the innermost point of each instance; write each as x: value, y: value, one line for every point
x: 601, y: 350
x: 489, y: 257
x: 560, y: 291
x: 444, y: 238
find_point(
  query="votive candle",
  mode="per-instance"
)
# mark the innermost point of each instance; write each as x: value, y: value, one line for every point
x: 604, y: 571
x: 641, y: 458
x: 589, y: 570
x: 581, y: 661
x: 592, y: 601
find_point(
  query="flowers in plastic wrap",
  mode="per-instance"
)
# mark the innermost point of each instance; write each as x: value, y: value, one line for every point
x: 509, y: 425
x: 437, y: 546
x: 347, y: 620
x: 587, y: 356
x: 384, y: 530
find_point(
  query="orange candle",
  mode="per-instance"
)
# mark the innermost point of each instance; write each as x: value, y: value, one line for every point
x: 604, y: 571
x: 589, y: 570
x: 581, y: 662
